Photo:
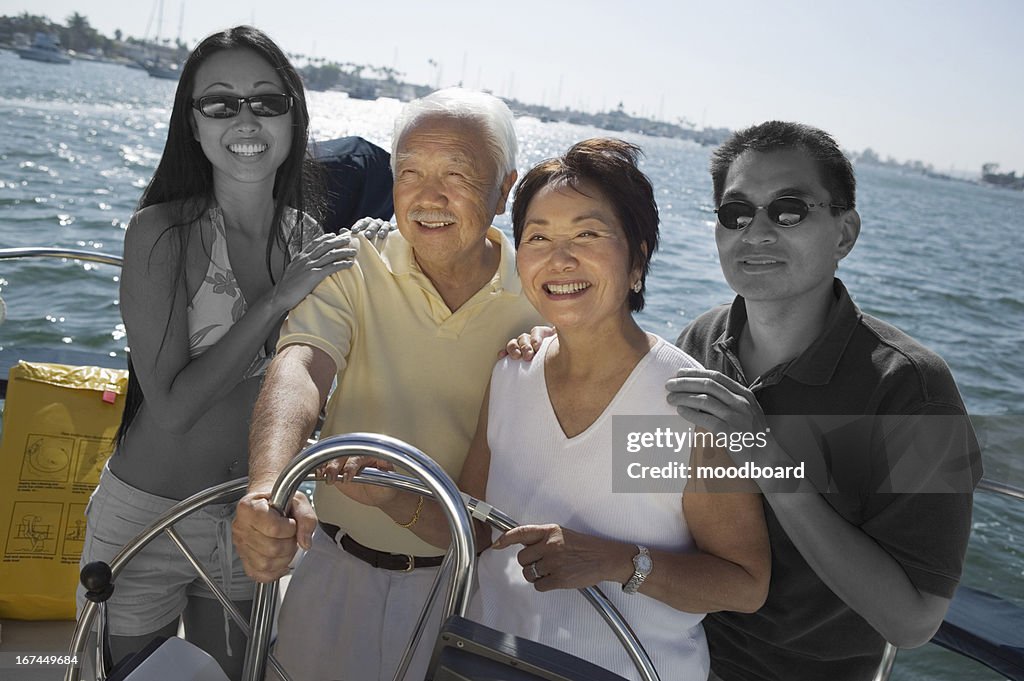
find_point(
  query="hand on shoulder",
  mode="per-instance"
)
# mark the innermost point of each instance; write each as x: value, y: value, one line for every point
x: 375, y: 230
x: 525, y: 345
x: 318, y: 259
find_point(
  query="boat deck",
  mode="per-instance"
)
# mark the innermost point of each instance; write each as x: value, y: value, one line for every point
x: 33, y: 638
x: 48, y: 637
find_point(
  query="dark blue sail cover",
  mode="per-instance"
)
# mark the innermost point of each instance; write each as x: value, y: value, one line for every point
x: 358, y: 179
x: 986, y: 628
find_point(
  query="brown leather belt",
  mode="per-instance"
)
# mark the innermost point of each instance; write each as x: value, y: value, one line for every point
x: 379, y: 559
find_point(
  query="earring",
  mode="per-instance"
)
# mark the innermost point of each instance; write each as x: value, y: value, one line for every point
x: 637, y: 286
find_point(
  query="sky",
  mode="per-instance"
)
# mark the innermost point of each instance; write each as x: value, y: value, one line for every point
x: 941, y: 81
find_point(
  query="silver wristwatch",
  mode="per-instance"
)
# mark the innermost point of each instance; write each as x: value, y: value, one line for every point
x: 642, y: 566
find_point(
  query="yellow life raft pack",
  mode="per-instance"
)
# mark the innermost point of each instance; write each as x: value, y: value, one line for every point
x: 58, y: 431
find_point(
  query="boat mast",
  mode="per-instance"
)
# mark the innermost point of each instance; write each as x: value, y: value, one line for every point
x: 181, y: 22
x: 159, y: 20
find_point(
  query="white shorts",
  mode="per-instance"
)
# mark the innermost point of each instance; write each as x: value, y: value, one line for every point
x: 344, y: 619
x: 154, y: 586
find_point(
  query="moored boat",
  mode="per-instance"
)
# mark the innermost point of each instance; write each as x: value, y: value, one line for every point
x: 45, y: 47
x: 163, y: 69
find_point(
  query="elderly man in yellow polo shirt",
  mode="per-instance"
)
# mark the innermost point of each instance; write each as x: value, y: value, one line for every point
x: 411, y: 333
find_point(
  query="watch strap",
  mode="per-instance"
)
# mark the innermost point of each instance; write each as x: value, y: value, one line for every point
x: 639, y: 573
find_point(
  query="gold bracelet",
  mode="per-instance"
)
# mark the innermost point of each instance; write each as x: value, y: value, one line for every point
x: 415, y: 516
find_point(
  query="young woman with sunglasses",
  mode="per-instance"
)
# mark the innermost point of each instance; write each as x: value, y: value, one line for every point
x: 221, y: 248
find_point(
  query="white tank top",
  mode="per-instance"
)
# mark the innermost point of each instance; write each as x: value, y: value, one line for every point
x: 537, y: 475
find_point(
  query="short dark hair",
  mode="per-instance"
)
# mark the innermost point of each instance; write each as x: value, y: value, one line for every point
x: 836, y: 170
x: 610, y: 165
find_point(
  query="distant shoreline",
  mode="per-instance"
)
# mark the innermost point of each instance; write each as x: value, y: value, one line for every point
x: 86, y: 43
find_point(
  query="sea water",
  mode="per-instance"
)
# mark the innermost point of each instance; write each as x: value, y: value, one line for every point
x: 941, y: 259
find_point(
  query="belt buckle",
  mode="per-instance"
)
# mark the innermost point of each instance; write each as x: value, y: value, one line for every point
x: 412, y: 563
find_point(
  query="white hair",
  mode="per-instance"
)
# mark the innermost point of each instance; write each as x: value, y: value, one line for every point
x: 489, y: 112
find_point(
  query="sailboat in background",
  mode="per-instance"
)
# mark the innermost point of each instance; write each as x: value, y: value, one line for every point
x: 159, y: 66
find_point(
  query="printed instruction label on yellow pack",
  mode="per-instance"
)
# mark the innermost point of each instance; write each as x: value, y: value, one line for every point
x: 58, y: 431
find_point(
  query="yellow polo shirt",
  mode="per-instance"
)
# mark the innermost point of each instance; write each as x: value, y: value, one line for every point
x: 407, y: 365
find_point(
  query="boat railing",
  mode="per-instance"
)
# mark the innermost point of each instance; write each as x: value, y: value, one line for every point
x: 1002, y: 488
x: 65, y: 355
x: 64, y: 253
x: 965, y: 628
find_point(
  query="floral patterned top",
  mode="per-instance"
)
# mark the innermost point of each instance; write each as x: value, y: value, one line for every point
x: 219, y: 303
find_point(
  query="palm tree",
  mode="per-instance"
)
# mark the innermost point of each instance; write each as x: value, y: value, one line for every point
x: 77, y: 22
x: 79, y: 35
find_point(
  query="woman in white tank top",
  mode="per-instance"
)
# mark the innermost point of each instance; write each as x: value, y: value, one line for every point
x: 585, y: 227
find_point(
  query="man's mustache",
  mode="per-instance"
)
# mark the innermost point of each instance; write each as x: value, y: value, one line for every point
x: 430, y: 216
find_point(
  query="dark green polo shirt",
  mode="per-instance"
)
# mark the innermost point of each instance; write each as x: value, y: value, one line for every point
x: 859, y: 369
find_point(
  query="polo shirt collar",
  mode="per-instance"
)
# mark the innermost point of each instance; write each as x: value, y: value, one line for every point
x: 507, y: 277
x: 817, y: 364
x: 399, y: 259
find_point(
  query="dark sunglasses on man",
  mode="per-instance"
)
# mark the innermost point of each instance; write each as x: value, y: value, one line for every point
x: 228, y: 106
x: 785, y: 211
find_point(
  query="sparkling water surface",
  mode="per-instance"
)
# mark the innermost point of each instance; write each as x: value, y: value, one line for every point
x: 938, y: 258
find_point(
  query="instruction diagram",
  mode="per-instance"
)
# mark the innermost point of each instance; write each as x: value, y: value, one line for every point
x: 35, y: 526
x: 74, y: 533
x: 47, y: 458
x: 92, y: 455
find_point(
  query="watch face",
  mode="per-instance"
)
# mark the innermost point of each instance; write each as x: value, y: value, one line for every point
x: 643, y: 563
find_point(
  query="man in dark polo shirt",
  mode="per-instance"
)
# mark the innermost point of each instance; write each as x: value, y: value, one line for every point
x: 868, y: 547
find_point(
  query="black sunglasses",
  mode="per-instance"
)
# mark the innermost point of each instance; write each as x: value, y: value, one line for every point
x: 227, y: 106
x: 785, y: 211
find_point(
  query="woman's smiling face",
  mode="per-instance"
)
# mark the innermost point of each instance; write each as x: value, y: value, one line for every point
x: 245, y: 147
x: 573, y: 257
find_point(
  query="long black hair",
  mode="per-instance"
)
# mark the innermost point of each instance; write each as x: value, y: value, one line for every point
x: 184, y: 177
